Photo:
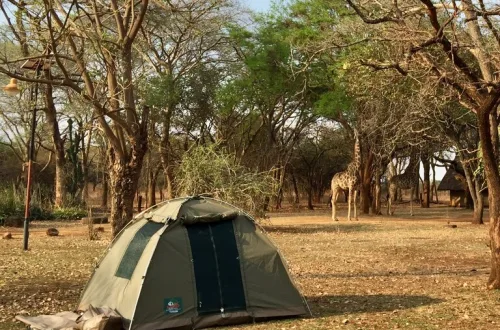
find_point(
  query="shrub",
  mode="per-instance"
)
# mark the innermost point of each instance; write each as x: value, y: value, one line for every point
x: 11, y: 204
x: 69, y: 213
x: 212, y: 170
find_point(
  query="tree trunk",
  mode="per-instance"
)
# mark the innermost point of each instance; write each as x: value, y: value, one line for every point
x: 280, y: 176
x: 124, y: 177
x: 478, y: 210
x: 86, y: 165
x: 473, y: 189
x: 310, y: 205
x: 319, y: 194
x: 105, y: 189
x: 151, y: 199
x: 295, y: 189
x: 493, y: 181
x: 58, y: 142
x: 366, y: 183
x: 60, y: 181
x: 165, y: 151
x: 169, y: 180
x: 427, y: 184
x: 434, y: 191
x: 377, y: 195
x: 124, y: 172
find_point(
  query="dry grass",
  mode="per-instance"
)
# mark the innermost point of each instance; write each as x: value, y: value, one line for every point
x: 373, y: 274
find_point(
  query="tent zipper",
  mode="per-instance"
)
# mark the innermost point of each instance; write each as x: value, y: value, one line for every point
x: 218, y: 272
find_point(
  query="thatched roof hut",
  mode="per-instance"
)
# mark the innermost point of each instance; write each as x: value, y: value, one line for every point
x: 453, y: 181
x: 456, y: 184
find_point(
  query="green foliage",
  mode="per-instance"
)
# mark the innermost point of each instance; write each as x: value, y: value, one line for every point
x: 212, y: 170
x: 160, y: 91
x: 331, y: 103
x: 318, y: 157
x: 68, y: 213
x: 12, y: 204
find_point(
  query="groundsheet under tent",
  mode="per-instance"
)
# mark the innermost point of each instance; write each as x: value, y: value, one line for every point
x: 93, y: 319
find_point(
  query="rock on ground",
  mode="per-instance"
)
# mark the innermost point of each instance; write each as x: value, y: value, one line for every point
x: 52, y: 232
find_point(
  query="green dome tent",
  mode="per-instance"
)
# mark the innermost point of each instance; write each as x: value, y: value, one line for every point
x: 192, y: 262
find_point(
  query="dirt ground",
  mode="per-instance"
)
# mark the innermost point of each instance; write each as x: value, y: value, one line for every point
x: 380, y: 272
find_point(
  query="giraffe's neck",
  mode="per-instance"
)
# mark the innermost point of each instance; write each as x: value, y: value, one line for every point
x: 356, y: 161
x: 412, y: 168
x: 414, y: 161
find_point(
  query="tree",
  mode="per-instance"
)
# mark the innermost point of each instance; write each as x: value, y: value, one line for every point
x: 24, y: 33
x: 458, y: 55
x: 178, y: 39
x: 318, y: 156
x: 79, y: 43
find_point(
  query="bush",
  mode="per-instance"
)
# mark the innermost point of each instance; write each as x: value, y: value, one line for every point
x: 12, y: 205
x: 212, y: 170
x: 69, y: 213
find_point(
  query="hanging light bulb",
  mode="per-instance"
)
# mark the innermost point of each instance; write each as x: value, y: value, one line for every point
x: 11, y: 88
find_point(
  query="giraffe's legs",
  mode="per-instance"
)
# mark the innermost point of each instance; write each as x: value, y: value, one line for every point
x: 335, y: 195
x: 411, y: 201
x: 389, y: 201
x: 389, y: 204
x: 349, y: 201
x: 354, y: 205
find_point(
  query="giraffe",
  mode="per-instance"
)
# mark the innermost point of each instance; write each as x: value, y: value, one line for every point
x: 406, y: 180
x: 348, y: 180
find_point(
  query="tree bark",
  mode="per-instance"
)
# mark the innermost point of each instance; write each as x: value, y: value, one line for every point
x: 434, y: 191
x: 310, y: 205
x: 478, y: 210
x: 165, y: 155
x: 86, y: 164
x: 124, y: 177
x: 427, y: 184
x: 377, y: 194
x: 58, y: 142
x: 295, y: 189
x: 493, y: 181
x: 151, y: 195
x: 281, y: 181
x: 105, y: 189
x: 366, y: 183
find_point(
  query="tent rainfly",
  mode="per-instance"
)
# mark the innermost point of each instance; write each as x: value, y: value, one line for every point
x: 193, y: 263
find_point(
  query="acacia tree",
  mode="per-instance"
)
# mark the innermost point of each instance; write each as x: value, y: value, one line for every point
x: 94, y: 42
x: 275, y: 97
x: 177, y: 39
x: 460, y: 128
x: 460, y: 55
x: 318, y: 156
x: 24, y: 33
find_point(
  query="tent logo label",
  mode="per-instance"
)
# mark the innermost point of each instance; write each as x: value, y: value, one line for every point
x: 173, y: 305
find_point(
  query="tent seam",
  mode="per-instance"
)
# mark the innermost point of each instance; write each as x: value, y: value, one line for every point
x: 243, y: 275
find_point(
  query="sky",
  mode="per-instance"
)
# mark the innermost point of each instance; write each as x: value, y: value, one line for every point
x: 257, y: 5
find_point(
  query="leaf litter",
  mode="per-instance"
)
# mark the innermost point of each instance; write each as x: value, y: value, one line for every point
x: 369, y: 274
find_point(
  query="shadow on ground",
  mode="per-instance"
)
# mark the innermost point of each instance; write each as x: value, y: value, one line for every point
x: 322, y: 306
x: 330, y: 228
x: 429, y: 272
